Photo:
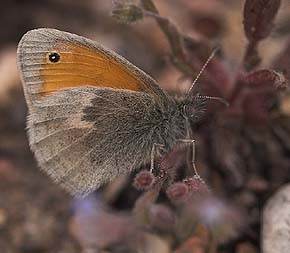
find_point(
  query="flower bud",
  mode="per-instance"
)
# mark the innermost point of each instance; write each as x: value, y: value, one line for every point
x: 196, y: 185
x: 177, y: 192
x: 144, y: 180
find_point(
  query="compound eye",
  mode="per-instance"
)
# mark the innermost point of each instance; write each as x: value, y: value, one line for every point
x: 185, y: 109
x: 54, y: 57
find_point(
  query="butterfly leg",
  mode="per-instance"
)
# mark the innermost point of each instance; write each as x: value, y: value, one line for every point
x: 192, y: 144
x: 153, y: 150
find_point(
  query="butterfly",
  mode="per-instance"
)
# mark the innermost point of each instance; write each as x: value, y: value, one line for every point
x: 92, y: 114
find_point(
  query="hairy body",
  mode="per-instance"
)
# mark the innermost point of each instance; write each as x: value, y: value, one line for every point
x: 92, y: 114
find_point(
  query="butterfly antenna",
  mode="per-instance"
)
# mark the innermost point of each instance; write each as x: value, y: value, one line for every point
x: 202, y: 69
x: 219, y: 99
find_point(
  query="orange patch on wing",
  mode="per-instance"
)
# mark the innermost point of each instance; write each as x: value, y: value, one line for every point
x: 82, y: 66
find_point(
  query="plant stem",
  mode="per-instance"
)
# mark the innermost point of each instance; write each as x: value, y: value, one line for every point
x: 173, y: 36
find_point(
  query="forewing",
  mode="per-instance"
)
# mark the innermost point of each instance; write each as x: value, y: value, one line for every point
x: 81, y: 62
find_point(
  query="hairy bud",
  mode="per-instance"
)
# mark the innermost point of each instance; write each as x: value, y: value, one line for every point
x: 144, y: 180
x: 177, y: 192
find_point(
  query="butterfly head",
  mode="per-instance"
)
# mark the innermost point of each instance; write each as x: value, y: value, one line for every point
x: 194, y: 108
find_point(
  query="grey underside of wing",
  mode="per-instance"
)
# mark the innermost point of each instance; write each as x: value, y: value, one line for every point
x: 84, y: 137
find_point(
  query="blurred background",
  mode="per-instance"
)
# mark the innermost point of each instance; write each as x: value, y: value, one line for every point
x: 35, y: 214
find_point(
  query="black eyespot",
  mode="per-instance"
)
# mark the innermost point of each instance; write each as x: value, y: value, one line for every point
x: 54, y: 57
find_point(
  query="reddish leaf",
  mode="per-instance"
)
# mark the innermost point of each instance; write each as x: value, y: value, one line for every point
x: 260, y: 93
x: 255, y: 109
x: 267, y: 78
x: 282, y: 62
x: 258, y: 18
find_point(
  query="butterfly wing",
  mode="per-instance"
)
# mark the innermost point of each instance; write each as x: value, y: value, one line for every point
x: 51, y: 60
x: 84, y: 137
x: 90, y: 112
